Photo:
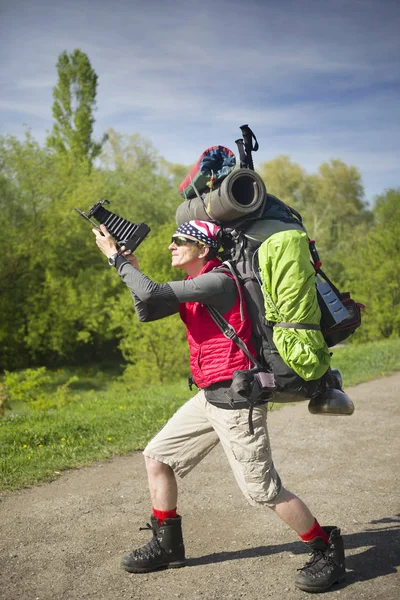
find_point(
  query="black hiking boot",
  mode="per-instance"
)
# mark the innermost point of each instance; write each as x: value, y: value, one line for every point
x: 164, y: 551
x: 326, y: 565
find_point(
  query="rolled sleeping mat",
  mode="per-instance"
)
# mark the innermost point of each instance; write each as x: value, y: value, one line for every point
x: 241, y: 193
x: 192, y: 209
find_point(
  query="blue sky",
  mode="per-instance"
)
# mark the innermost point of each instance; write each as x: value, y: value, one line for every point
x: 314, y: 79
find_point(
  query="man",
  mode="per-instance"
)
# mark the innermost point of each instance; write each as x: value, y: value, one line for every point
x: 210, y: 416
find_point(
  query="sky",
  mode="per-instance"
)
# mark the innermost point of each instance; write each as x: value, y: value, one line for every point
x: 315, y: 80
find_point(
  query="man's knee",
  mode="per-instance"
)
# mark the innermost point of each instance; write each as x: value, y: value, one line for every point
x: 155, y: 467
x: 266, y: 491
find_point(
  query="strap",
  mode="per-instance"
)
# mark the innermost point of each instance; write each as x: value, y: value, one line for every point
x: 239, y: 289
x: 229, y: 332
x: 298, y: 326
x: 228, y: 268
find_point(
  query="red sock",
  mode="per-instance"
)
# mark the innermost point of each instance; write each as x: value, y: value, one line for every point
x: 315, y: 531
x: 161, y: 515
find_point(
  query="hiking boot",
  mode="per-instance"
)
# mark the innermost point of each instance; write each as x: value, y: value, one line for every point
x: 326, y: 565
x: 164, y: 551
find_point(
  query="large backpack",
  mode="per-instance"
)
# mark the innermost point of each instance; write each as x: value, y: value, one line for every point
x: 252, y: 220
x: 340, y: 315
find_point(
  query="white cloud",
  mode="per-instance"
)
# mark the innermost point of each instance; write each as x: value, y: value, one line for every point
x: 313, y: 79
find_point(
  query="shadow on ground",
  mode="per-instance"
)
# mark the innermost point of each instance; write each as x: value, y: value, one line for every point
x: 382, y: 557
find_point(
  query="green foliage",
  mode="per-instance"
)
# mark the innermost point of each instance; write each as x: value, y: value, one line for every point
x: 4, y: 400
x: 49, y: 291
x: 25, y: 387
x: 56, y: 290
x: 373, y: 270
x: 138, y: 190
x: 156, y: 351
x: 288, y: 181
x: 330, y: 202
x: 73, y: 107
x: 24, y: 184
x: 31, y: 387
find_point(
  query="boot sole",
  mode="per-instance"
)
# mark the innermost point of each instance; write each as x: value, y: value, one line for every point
x: 315, y: 590
x: 177, y: 564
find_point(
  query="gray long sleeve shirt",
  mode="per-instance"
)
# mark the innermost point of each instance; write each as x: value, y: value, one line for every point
x: 158, y: 300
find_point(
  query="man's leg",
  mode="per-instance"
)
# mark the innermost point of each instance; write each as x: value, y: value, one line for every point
x: 162, y: 485
x: 177, y: 448
x: 292, y: 511
x: 251, y: 460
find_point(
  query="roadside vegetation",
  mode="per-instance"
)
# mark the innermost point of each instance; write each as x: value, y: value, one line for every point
x: 100, y: 417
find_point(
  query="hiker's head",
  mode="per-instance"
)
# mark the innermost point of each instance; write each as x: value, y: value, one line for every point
x: 194, y: 243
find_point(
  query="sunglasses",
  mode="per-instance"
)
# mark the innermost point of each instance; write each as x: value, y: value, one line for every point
x: 182, y: 241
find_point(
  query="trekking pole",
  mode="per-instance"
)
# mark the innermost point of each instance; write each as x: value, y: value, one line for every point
x: 246, y: 147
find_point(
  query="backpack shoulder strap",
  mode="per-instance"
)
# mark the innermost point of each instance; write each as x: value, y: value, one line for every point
x: 228, y: 268
x: 230, y: 333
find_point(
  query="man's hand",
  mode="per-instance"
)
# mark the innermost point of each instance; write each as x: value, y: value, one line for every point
x: 107, y: 245
x: 105, y: 241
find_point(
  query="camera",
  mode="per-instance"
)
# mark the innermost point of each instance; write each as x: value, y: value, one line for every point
x: 123, y: 231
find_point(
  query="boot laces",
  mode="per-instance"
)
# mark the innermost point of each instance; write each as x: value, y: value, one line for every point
x: 147, y: 528
x: 152, y: 549
x: 320, y: 559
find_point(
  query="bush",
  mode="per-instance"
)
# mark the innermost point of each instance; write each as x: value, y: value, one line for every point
x: 32, y: 388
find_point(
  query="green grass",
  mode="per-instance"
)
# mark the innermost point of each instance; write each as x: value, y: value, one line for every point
x: 367, y: 361
x: 101, y: 421
x: 35, y: 447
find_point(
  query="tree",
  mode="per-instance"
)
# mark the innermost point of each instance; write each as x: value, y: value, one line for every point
x: 54, y: 289
x: 373, y: 270
x: 339, y: 205
x: 135, y: 185
x: 330, y: 202
x: 288, y: 181
x: 73, y: 107
x: 24, y: 177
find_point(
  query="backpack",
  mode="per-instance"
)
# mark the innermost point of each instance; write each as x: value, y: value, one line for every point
x: 252, y: 220
x: 340, y: 314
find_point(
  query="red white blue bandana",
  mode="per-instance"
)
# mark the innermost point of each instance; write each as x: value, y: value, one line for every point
x: 200, y: 230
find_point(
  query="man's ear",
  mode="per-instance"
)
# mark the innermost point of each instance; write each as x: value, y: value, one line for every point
x: 204, y: 251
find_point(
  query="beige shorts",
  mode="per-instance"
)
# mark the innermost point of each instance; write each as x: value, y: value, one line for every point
x: 198, y: 426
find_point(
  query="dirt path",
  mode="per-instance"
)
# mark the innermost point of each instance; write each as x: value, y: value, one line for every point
x: 64, y: 540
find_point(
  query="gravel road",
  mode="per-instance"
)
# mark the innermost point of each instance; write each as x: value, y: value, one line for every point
x: 64, y: 540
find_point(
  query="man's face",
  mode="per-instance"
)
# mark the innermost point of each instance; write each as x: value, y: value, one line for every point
x: 185, y: 252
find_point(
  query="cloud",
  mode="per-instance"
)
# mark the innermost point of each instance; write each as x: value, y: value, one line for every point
x: 312, y: 78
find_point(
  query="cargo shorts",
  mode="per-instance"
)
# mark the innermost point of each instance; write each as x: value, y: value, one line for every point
x: 198, y: 426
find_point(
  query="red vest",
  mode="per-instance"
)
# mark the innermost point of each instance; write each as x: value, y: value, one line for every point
x: 213, y: 357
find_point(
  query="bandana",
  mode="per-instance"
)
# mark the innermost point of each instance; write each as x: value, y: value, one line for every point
x: 200, y: 230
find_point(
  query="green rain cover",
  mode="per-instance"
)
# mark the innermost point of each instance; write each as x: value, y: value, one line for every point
x: 288, y: 285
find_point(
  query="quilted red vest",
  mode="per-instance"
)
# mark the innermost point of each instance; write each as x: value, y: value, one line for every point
x: 213, y: 357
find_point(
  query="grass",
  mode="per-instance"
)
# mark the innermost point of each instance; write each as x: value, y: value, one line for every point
x: 101, y: 421
x: 35, y: 447
x: 367, y: 361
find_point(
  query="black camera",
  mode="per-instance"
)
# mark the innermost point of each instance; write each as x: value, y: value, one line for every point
x: 123, y: 231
